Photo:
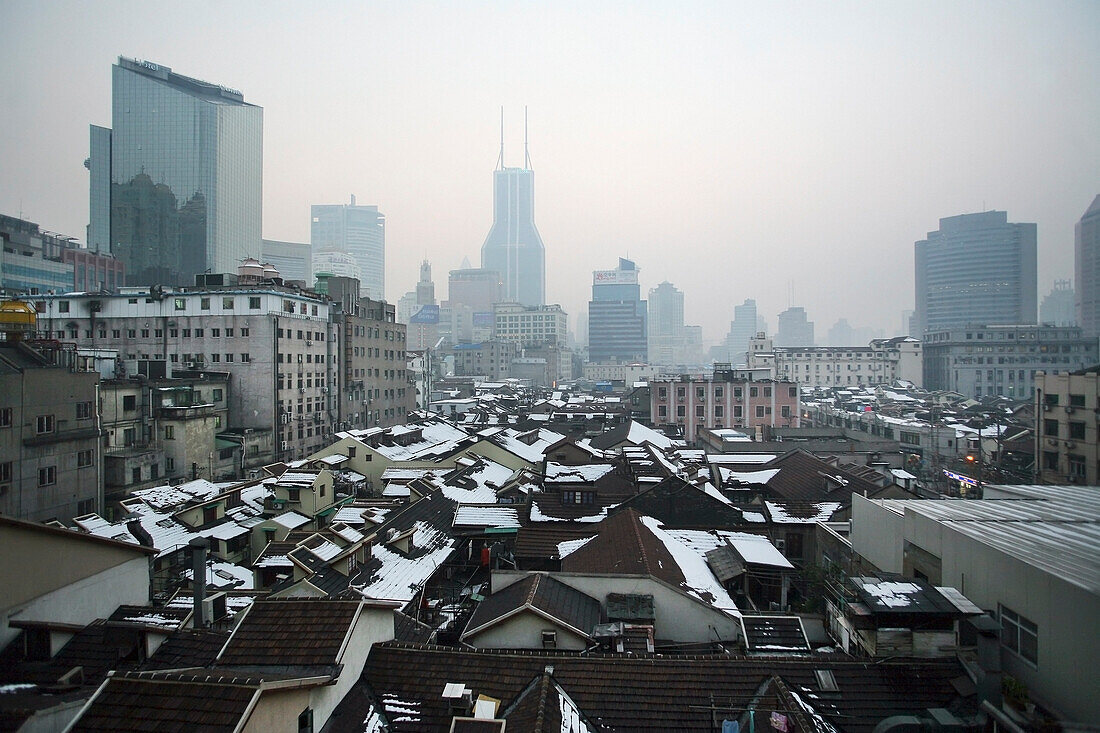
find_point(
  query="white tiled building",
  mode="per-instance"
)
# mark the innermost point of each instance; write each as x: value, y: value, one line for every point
x: 883, y: 361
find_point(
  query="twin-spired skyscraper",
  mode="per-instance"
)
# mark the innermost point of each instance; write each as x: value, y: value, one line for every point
x: 513, y: 247
x: 177, y: 181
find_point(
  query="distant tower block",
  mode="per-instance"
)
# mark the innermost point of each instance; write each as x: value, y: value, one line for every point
x: 513, y: 246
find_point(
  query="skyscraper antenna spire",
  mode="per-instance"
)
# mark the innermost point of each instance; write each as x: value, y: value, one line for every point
x: 500, y: 159
x: 526, y: 153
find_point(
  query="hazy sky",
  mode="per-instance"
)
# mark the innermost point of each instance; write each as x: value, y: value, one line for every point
x: 735, y: 149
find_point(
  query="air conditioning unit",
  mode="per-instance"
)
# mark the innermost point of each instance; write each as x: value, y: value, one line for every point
x: 1046, y: 408
x: 1053, y: 441
x: 301, y: 390
x: 1069, y: 409
x: 1070, y: 444
x: 324, y: 390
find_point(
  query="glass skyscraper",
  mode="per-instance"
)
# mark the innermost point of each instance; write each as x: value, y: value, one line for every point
x: 356, y: 231
x: 185, y: 171
x: 513, y: 246
x: 976, y: 269
x: 618, y: 319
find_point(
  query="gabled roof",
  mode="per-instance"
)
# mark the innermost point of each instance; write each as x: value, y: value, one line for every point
x: 805, y: 477
x: 540, y: 707
x: 168, y: 701
x: 677, y: 503
x: 291, y: 632
x: 542, y: 595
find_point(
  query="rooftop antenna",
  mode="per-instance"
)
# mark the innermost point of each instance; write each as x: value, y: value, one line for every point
x: 526, y: 154
x: 500, y: 160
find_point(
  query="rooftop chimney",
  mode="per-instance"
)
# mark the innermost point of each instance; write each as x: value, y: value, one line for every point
x: 198, y: 546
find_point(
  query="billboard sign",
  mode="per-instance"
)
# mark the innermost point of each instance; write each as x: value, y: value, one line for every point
x: 615, y: 277
x: 428, y: 314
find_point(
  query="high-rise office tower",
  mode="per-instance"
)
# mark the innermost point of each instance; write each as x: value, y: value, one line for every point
x: 794, y: 328
x: 513, y: 246
x: 291, y: 259
x: 1087, y: 269
x: 617, y: 317
x: 743, y: 327
x: 358, y: 231
x: 176, y: 183
x: 666, y: 325
x: 977, y: 268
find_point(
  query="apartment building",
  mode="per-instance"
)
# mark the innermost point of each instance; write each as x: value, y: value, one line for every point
x: 375, y: 390
x: 492, y: 359
x: 50, y: 455
x: 278, y: 345
x: 724, y: 400
x: 1067, y: 415
x: 525, y: 324
x: 979, y: 360
x: 882, y: 361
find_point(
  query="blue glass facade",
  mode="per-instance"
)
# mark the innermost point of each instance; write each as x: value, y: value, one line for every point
x: 513, y: 246
x: 186, y: 175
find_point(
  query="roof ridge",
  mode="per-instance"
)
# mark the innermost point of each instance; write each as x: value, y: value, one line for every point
x: 635, y: 522
x: 534, y: 588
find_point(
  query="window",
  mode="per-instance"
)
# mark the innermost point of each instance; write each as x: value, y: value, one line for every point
x: 254, y: 303
x: 244, y: 332
x: 47, y: 476
x: 1076, y: 466
x: 84, y: 458
x: 785, y: 411
x: 83, y: 410
x: 662, y: 411
x: 181, y: 304
x: 760, y: 411
x: 229, y: 333
x: 5, y: 417
x: 699, y: 411
x: 45, y: 424
x: 305, y: 721
x: 169, y: 432
x: 1050, y: 427
x: 792, y: 391
x: 129, y: 403
x: 1019, y: 635
x: 1077, y: 400
x: 227, y: 303
x: 204, y: 304
x: 245, y: 357
x: 198, y: 333
x: 681, y: 411
x: 62, y: 306
x: 719, y: 411
x: 754, y: 391
x: 767, y: 391
x: 217, y: 395
x: 5, y: 472
x: 1077, y: 430
x: 549, y: 639
x: 169, y: 464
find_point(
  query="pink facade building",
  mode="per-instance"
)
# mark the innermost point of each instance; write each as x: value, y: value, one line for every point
x: 723, y: 401
x: 93, y: 272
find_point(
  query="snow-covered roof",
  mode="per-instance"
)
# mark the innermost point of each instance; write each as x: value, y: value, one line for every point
x: 566, y: 547
x: 753, y: 548
x: 290, y: 520
x: 475, y: 515
x: 556, y: 472
x: 699, y: 581
x: 822, y: 512
x: 400, y: 577
x: 747, y: 477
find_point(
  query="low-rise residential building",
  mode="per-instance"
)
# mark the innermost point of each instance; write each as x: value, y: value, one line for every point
x: 723, y: 401
x: 1067, y: 411
x: 883, y: 361
x: 980, y: 360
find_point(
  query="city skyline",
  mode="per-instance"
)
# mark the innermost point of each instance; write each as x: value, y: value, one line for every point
x: 812, y: 153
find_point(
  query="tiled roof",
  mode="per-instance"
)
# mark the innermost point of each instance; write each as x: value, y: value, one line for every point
x: 541, y: 541
x: 407, y: 628
x: 168, y: 702
x: 187, y: 648
x: 624, y: 546
x: 537, y: 591
x: 290, y: 632
x: 805, y: 477
x: 538, y: 709
x: 771, y: 634
x: 655, y: 692
x: 677, y: 503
